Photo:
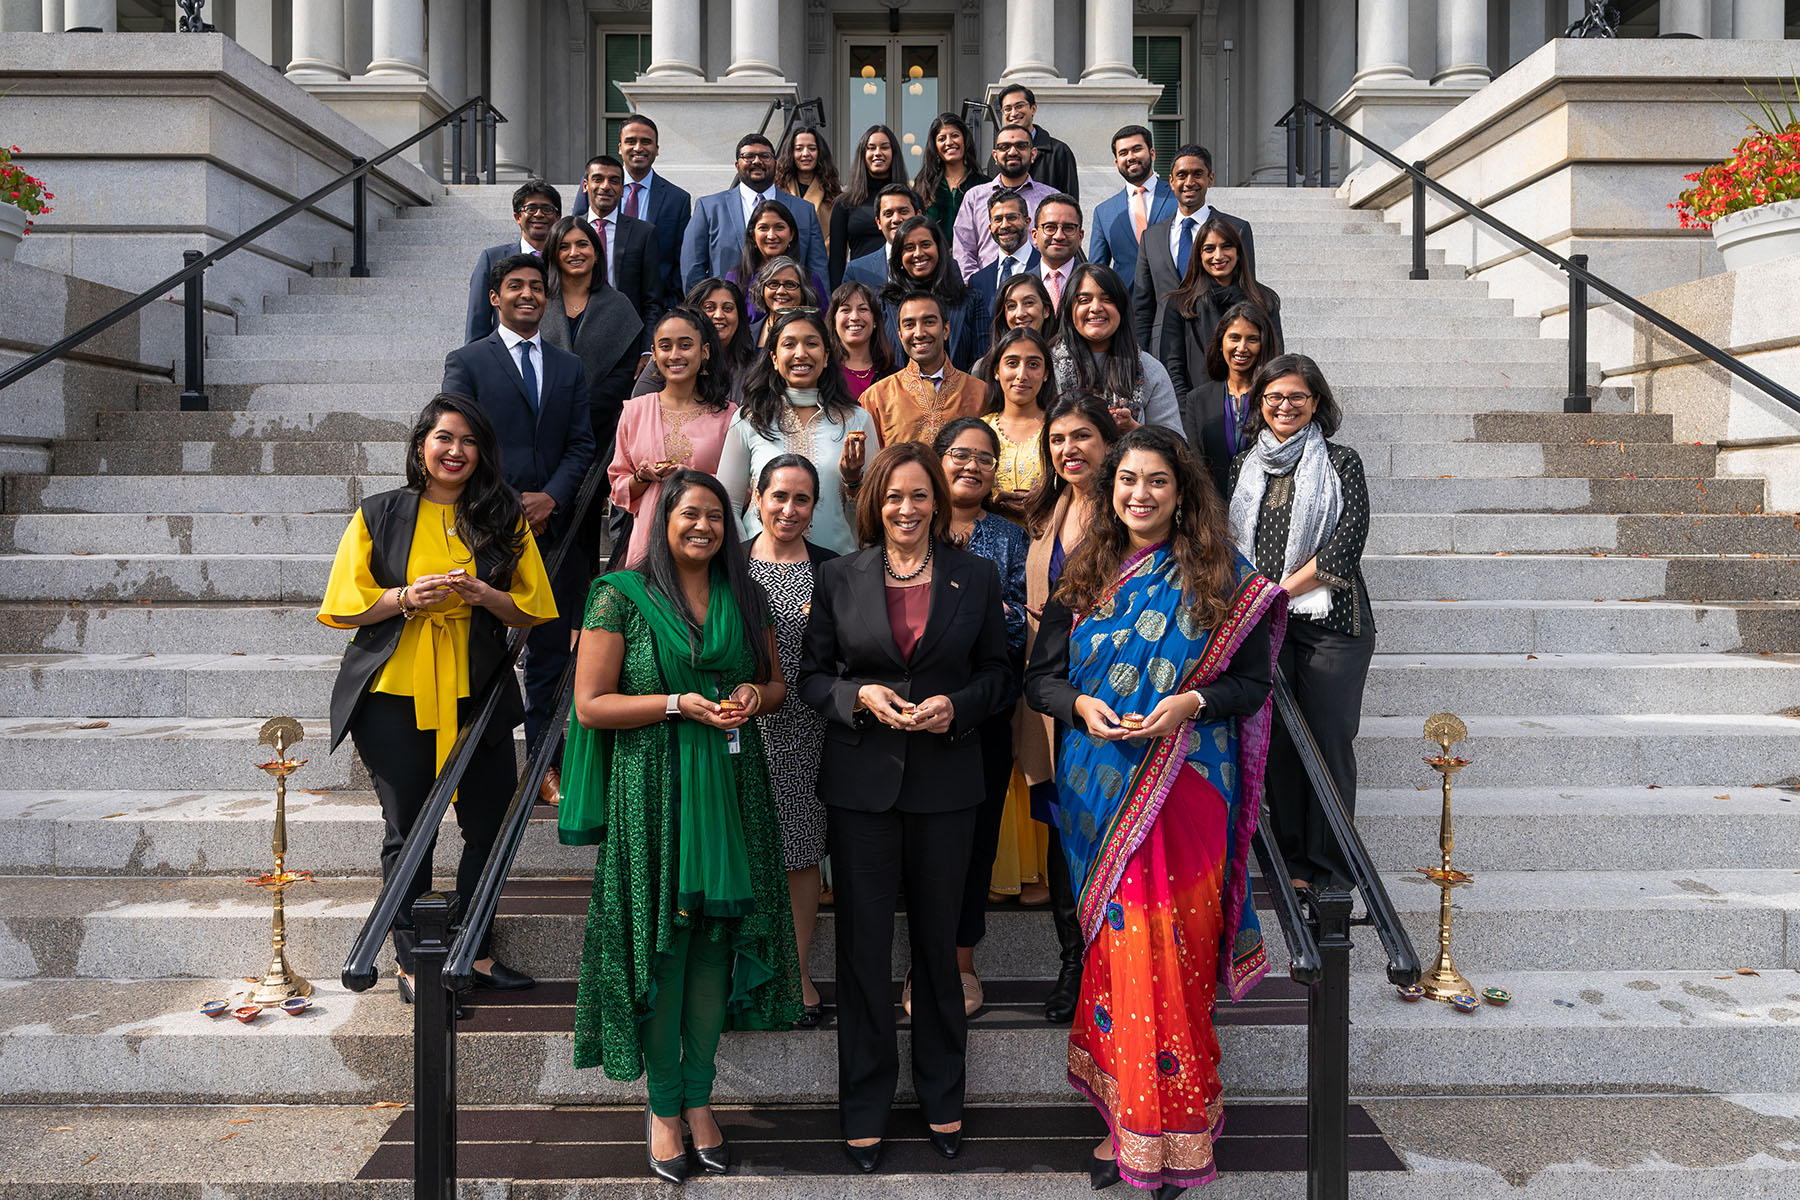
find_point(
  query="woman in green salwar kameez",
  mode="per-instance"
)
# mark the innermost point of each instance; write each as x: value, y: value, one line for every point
x: 689, y: 929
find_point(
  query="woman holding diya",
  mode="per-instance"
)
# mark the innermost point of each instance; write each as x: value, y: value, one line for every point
x: 1154, y: 656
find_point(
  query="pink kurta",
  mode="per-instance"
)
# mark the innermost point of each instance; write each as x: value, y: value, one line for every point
x: 647, y: 437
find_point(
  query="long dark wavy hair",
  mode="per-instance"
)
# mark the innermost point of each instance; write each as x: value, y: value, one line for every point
x: 946, y: 282
x: 752, y: 259
x: 488, y: 515
x: 1040, y: 505
x: 863, y: 186
x: 787, y: 175
x: 932, y: 173
x: 1199, y: 538
x: 553, y: 249
x: 765, y: 391
x: 713, y: 387
x: 1216, y: 366
x: 1195, y: 285
x: 1023, y: 279
x: 1123, y: 371
x: 741, y: 349
x: 880, y: 353
x: 657, y: 566
x: 996, y: 399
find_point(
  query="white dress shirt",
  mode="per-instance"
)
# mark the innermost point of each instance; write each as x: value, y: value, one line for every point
x: 513, y: 341
x: 526, y: 247
x: 608, y: 228
x: 751, y: 198
x: 1200, y: 217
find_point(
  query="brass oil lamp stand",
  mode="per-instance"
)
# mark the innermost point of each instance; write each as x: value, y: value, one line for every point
x: 280, y: 981
x: 1443, y: 982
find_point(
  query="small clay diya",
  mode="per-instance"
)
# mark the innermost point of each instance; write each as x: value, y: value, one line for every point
x: 1466, y: 1004
x: 1412, y: 993
x: 247, y: 1012
x: 1132, y: 721
x: 216, y: 1007
x: 293, y: 1006
x: 1499, y: 997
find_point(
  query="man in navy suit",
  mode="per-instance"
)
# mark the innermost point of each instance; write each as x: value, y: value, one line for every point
x: 536, y: 206
x: 536, y: 397
x: 1168, y: 247
x: 633, y: 255
x: 650, y: 197
x: 1008, y: 222
x: 895, y: 204
x: 1121, y: 218
x: 715, y: 237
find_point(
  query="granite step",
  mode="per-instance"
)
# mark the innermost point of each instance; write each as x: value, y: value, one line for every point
x: 1416, y: 494
x: 1582, y: 533
x: 1579, y: 577
x: 241, y: 456
x: 173, y: 533
x: 111, y: 1042
x: 262, y: 577
x: 275, y: 495
x: 1421, y: 459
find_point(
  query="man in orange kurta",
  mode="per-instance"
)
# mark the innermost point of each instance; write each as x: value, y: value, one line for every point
x: 928, y: 393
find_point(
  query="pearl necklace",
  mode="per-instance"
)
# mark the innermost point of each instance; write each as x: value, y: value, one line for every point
x: 888, y: 566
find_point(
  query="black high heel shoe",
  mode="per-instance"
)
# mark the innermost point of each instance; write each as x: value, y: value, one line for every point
x: 1102, y: 1172
x: 714, y: 1160
x: 674, y: 1170
x: 946, y: 1143
x: 866, y: 1158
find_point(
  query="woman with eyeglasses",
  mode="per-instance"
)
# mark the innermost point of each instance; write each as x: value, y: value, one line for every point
x: 1218, y: 278
x: 795, y: 402
x: 863, y: 352
x: 779, y: 287
x: 875, y: 164
x: 949, y: 172
x: 1097, y: 351
x: 769, y: 235
x: 920, y: 262
x: 1216, y: 413
x: 804, y: 168
x: 1020, y: 392
x: 1300, y: 509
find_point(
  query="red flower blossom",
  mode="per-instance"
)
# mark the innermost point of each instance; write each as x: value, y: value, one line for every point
x: 1762, y: 170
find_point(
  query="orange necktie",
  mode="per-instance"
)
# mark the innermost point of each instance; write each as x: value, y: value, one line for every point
x: 1139, y: 218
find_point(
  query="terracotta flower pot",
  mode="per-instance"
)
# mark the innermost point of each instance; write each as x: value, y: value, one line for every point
x: 1756, y: 235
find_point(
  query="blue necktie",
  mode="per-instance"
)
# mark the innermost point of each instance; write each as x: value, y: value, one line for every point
x: 529, y: 375
x: 1185, y: 250
x: 1006, y: 268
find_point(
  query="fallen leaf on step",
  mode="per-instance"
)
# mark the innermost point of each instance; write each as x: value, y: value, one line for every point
x: 1446, y: 477
x: 110, y: 816
x: 1655, y: 787
x: 1502, y: 554
x: 62, y: 1129
x: 1726, y: 796
x: 229, y: 1136
x: 386, y: 1104
x: 82, y: 553
x: 90, y: 1159
x: 1748, y: 971
x: 94, y: 725
x: 240, y: 1120
x: 1531, y: 656
x: 1721, y: 977
x: 237, y: 654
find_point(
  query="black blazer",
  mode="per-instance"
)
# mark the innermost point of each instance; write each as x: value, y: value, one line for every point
x: 637, y: 268
x: 1185, y: 340
x: 1156, y: 276
x: 986, y: 281
x: 670, y: 208
x: 1055, y: 163
x: 867, y: 766
x: 607, y: 343
x: 1203, y: 421
x: 391, y: 518
x: 549, y: 453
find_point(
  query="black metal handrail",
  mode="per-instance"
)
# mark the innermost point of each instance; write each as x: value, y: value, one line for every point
x: 1575, y: 266
x: 359, y: 974
x: 191, y: 278
x: 1303, y: 948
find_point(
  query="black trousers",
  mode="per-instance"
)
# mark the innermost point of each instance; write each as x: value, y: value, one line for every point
x: 996, y: 772
x: 547, y: 645
x: 1327, y: 671
x: 402, y: 760
x: 872, y: 854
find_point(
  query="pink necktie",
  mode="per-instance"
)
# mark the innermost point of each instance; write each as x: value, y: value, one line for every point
x: 637, y: 201
x: 1054, y: 282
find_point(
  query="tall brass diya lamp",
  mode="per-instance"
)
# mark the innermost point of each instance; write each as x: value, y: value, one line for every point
x: 280, y: 981
x: 1443, y: 982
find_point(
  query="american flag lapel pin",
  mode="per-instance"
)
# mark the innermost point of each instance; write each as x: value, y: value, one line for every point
x: 955, y: 584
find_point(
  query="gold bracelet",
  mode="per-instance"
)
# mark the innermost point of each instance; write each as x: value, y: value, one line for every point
x: 759, y: 698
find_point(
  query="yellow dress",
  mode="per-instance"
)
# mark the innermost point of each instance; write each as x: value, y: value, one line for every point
x: 1021, y: 463
x: 431, y: 663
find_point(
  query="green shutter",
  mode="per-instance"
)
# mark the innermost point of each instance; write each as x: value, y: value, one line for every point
x: 1158, y: 59
x: 621, y: 67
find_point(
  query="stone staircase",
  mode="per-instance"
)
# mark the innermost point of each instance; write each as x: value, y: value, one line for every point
x: 1613, y: 621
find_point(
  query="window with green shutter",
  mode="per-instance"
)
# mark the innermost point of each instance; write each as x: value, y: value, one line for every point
x: 1162, y: 58
x: 625, y: 57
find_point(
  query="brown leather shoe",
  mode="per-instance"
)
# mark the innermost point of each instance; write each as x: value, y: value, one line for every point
x: 550, y: 791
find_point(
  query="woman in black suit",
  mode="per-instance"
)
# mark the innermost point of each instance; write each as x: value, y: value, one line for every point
x: 1215, y: 415
x: 1218, y: 277
x: 905, y: 657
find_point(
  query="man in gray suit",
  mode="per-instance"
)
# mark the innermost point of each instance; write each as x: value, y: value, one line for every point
x: 1169, y: 246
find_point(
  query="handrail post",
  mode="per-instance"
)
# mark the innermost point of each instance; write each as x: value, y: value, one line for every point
x: 193, y: 329
x: 1418, y: 224
x: 488, y: 127
x: 1578, y: 400
x: 473, y: 132
x: 456, y: 147
x: 434, y: 1057
x: 1293, y: 148
x: 1328, y: 1054
x: 359, y: 223
x: 1324, y: 153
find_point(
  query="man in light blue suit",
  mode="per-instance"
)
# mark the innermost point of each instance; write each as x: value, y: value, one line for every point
x: 1142, y: 202
x: 715, y: 236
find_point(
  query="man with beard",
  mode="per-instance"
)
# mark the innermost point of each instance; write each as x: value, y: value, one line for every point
x: 1013, y: 155
x: 1168, y: 247
x: 1008, y: 221
x: 1054, y: 165
x: 536, y: 206
x: 1120, y: 219
x: 715, y: 237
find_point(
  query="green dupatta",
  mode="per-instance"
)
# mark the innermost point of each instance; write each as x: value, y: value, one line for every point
x: 712, y: 871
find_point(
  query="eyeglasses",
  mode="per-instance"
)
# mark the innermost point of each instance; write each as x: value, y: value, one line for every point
x: 962, y: 456
x: 759, y: 156
x: 538, y: 210
x: 1272, y: 400
x: 1053, y: 228
x: 1003, y: 147
x: 788, y: 312
x: 782, y: 285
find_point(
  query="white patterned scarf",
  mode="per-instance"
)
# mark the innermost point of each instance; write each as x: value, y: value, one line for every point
x: 1318, y: 503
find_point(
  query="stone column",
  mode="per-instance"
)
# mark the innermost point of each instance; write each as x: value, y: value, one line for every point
x: 91, y: 14
x: 318, y: 41
x: 1274, y: 48
x: 1763, y: 19
x: 755, y: 38
x: 1462, y: 42
x: 447, y: 50
x: 1686, y: 16
x: 1108, y: 41
x: 1030, y: 41
x: 675, y: 38
x: 1381, y: 36
x: 509, y: 76
x: 52, y: 17
x: 399, y: 39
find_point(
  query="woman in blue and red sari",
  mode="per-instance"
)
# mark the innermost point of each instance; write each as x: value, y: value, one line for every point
x: 1153, y: 656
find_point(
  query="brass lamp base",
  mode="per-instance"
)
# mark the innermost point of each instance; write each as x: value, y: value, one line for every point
x: 1443, y: 980
x: 280, y: 983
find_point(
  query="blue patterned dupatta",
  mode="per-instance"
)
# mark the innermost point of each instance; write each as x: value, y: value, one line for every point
x: 1137, y: 645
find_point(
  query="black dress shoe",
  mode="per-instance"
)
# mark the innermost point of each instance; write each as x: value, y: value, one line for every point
x: 1059, y: 1005
x: 946, y: 1144
x: 1102, y: 1172
x: 866, y: 1158
x: 406, y: 997
x: 674, y: 1170
x: 1170, y: 1191
x: 810, y: 1016
x: 503, y: 978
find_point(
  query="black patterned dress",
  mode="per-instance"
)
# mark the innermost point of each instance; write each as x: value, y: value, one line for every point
x: 793, y: 733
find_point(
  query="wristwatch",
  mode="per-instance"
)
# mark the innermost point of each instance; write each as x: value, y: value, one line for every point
x: 672, y: 710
